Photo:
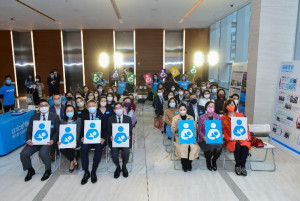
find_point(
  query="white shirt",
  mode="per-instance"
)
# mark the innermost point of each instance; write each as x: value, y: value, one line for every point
x: 93, y: 116
x: 121, y: 117
x: 46, y: 116
x: 57, y: 110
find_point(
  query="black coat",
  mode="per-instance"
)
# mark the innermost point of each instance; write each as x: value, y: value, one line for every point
x: 201, y: 110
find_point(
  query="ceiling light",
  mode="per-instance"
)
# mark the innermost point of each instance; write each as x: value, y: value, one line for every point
x: 198, y: 59
x: 103, y: 59
x: 190, y: 11
x: 213, y: 58
x: 114, y: 5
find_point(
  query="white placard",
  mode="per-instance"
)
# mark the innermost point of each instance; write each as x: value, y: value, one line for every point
x: 120, y: 133
x: 239, y: 128
x: 41, y: 132
x: 67, y: 136
x: 92, y: 131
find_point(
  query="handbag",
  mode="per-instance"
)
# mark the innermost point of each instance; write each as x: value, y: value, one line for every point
x: 256, y: 142
x: 158, y: 122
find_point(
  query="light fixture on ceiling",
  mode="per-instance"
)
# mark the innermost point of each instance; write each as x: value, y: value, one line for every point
x: 190, y: 11
x: 35, y: 10
x: 114, y: 5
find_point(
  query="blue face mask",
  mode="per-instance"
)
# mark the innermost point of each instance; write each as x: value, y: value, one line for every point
x: 172, y: 104
x: 92, y: 110
x: 100, y: 76
x: 100, y: 90
x: 8, y: 81
x: 122, y: 79
x: 155, y: 77
x: 183, y: 78
x: 70, y: 114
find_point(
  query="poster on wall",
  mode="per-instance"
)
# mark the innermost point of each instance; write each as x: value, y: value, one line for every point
x: 285, y: 128
x: 238, y: 83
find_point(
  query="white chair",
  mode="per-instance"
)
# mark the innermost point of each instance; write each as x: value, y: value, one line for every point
x: 262, y: 130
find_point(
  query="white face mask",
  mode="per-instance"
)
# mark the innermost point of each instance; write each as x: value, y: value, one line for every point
x: 180, y: 93
x: 103, y: 104
x: 44, y: 109
x: 96, y: 95
x: 206, y: 96
x: 170, y: 97
x: 109, y: 99
x: 172, y: 89
x: 236, y: 101
x: 80, y: 104
x: 160, y: 94
x: 57, y: 102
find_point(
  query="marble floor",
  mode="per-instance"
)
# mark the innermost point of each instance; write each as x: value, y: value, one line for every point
x: 153, y: 177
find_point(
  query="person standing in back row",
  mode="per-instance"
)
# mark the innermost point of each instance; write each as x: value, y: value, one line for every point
x: 7, y: 94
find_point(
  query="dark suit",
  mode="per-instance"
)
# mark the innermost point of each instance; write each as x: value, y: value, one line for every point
x: 178, y: 99
x: 200, y: 108
x: 159, y: 111
x: 44, y: 150
x: 85, y: 148
x: 115, y: 151
x: 62, y: 109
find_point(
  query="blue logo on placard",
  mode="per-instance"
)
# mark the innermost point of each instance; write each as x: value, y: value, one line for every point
x: 67, y: 137
x: 41, y: 134
x: 239, y: 130
x: 213, y: 133
x: 186, y: 133
x: 92, y: 133
x: 121, y: 136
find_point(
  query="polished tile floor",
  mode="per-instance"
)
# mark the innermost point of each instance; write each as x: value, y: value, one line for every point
x: 153, y: 177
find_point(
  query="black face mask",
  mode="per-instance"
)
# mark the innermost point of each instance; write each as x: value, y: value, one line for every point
x: 194, y: 101
x: 69, y: 98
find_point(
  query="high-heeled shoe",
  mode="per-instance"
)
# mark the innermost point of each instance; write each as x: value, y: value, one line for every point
x: 76, y: 166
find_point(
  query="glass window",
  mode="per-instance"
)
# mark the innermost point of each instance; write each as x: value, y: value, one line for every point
x: 174, y: 49
x: 125, y: 46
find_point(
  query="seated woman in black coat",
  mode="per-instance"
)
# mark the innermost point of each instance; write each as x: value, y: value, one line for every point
x: 220, y: 101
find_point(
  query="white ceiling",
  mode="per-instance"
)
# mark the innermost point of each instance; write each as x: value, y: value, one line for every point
x: 99, y: 14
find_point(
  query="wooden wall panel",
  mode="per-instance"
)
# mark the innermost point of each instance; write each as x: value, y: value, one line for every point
x: 48, y: 55
x: 95, y: 42
x: 149, y: 52
x: 6, y: 59
x: 197, y: 40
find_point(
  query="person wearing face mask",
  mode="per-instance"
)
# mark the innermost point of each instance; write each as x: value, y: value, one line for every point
x: 28, y: 83
x: 130, y: 95
x: 214, y: 89
x: 85, y: 148
x: 173, y: 89
x: 211, y: 151
x: 128, y: 110
x: 110, y: 101
x: 90, y: 96
x: 159, y: 103
x: 69, y: 97
x: 208, y: 85
x: 115, y: 92
x: 85, y: 91
x: 206, y: 97
x: 239, y: 147
x: 203, y: 86
x: 51, y: 82
x: 39, y: 85
x: 77, y: 94
x: 104, y: 110
x: 154, y: 86
x: 236, y: 98
x: 121, y: 84
x: 119, y: 117
x: 184, y: 82
x: 96, y: 96
x: 190, y: 90
x: 57, y: 81
x: 198, y: 93
x: 100, y: 90
x: 7, y: 94
x: 186, y: 99
x: 80, y: 107
x: 179, y: 96
x: 44, y: 150
x: 187, y: 152
x: 168, y: 116
x: 70, y: 117
x: 220, y: 101
x: 194, y: 109
x: 102, y: 81
x: 57, y: 108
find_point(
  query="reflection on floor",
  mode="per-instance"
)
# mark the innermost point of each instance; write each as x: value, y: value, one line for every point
x: 153, y: 177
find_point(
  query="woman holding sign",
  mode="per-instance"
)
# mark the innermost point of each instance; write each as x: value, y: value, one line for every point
x: 211, y: 151
x: 239, y: 147
x: 186, y: 151
x: 70, y: 117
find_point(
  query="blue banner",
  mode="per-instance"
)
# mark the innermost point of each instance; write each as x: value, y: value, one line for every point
x: 13, y: 131
x: 213, y: 132
x: 186, y: 131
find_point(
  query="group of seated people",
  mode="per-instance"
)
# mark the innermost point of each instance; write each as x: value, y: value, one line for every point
x: 206, y: 102
x: 108, y: 107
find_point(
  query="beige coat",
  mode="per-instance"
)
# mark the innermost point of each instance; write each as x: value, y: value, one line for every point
x: 181, y: 150
x: 169, y: 114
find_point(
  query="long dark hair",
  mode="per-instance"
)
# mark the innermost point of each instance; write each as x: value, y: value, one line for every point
x: 130, y: 107
x: 65, y: 113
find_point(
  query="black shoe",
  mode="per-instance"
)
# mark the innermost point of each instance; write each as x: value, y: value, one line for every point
x: 117, y: 172
x: 238, y: 170
x: 243, y: 171
x: 189, y: 165
x: 76, y: 166
x: 93, y: 177
x: 214, y: 165
x: 85, y: 178
x: 208, y: 164
x: 125, y: 171
x: 46, y: 175
x: 30, y: 173
x: 71, y: 170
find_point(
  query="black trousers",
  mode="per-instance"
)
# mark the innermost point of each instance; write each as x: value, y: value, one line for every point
x: 9, y: 107
x: 240, y: 155
x: 85, y: 148
x: 115, y: 155
x: 68, y: 153
x: 213, y: 154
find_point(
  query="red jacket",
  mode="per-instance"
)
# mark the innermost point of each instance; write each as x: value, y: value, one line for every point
x: 226, y: 128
